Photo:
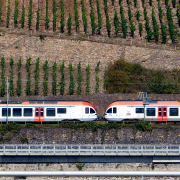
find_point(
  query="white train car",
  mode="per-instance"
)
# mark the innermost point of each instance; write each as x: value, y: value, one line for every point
x: 48, y: 111
x: 134, y: 110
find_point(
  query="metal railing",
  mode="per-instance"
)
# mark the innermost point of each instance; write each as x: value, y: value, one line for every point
x: 86, y: 150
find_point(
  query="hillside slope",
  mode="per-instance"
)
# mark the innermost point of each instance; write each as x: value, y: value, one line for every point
x: 48, y: 11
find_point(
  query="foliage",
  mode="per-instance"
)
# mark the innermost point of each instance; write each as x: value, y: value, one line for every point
x: 37, y: 18
x: 148, y: 29
x: 97, y: 77
x: 18, y: 89
x: 80, y: 166
x: 45, y: 81
x: 84, y: 16
x: 69, y: 23
x: 108, y: 25
x: 99, y: 18
x: 79, y: 78
x: 135, y: 3
x: 164, y: 33
x: 178, y: 14
x: 54, y: 79
x: 171, y: 25
x: 142, y: 126
x: 8, y: 14
x: 142, y: 3
x: 129, y: 13
x: 24, y: 139
x: 137, y: 15
x: 76, y: 15
x: 166, y: 2
x: 28, y: 84
x: 173, y: 3
x: 62, y: 16
x: 54, y: 15
x: 124, y: 23
x: 30, y: 14
x: 23, y: 16
x: 155, y: 26
x: 150, y: 2
x: 62, y: 82
x: 16, y: 13
x: 47, y: 18
x: 36, y: 77
x: 132, y: 29
x: 140, y: 29
x: 87, y: 79
x: 160, y: 13
x: 0, y: 10
x: 145, y: 13
x: 3, y: 84
x: 71, y: 84
x: 11, y: 87
x: 116, y: 23
x: 41, y: 36
x: 93, y: 25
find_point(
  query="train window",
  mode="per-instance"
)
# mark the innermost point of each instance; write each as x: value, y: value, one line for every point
x: 92, y: 111
x: 27, y: 111
x: 50, y: 111
x: 173, y: 112
x: 114, y: 110
x: 150, y: 112
x: 87, y: 110
x: 17, y: 112
x: 4, y: 112
x: 61, y: 110
x: 139, y: 110
x: 109, y: 110
x: 42, y: 112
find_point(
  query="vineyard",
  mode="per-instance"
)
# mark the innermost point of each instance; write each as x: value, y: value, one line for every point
x: 156, y: 21
x: 42, y: 79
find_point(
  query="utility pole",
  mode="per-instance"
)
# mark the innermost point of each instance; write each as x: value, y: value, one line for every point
x: 7, y: 98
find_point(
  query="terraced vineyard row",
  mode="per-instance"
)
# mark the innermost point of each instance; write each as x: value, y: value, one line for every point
x: 156, y: 21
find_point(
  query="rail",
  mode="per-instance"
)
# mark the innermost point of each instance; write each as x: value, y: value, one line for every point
x: 90, y: 150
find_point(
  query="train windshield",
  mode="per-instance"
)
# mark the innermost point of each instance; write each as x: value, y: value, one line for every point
x: 92, y: 111
x: 109, y: 110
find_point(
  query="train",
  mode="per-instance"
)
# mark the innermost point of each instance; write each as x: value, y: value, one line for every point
x: 47, y: 111
x: 152, y: 110
x: 83, y: 111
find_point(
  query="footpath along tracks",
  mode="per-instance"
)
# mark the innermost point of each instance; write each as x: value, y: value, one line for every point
x: 89, y: 150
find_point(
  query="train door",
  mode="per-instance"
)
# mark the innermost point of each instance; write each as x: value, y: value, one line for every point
x: 162, y: 113
x: 73, y: 112
x: 39, y: 113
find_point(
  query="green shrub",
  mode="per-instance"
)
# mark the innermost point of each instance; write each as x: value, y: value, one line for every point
x: 45, y: 81
x: 62, y: 82
x: 140, y: 29
x: 37, y: 18
x: 3, y: 83
x: 24, y: 139
x: 137, y: 15
x: 23, y: 16
x: 87, y: 79
x: 62, y: 16
x: 8, y: 14
x: 155, y: 27
x: 0, y: 10
x: 71, y: 84
x: 108, y: 25
x: 80, y: 166
x: 76, y: 15
x: 54, y: 15
x: 18, y: 89
x: 47, y: 18
x: 99, y: 18
x: 116, y: 23
x: 84, y: 16
x: 54, y: 79
x: 30, y: 14
x: 36, y: 77
x: 16, y: 13
x: 69, y: 23
x: 79, y: 78
x: 28, y: 84
x: 93, y: 25
x: 11, y: 87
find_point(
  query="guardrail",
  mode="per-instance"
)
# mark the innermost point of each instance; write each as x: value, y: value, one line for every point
x: 92, y: 150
